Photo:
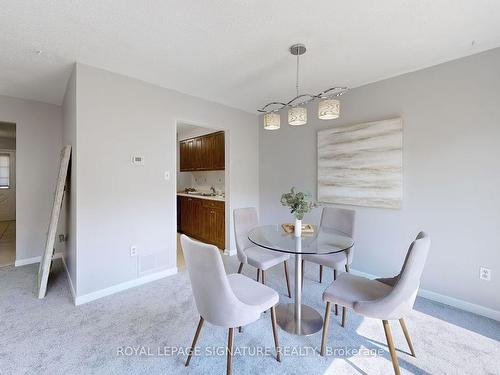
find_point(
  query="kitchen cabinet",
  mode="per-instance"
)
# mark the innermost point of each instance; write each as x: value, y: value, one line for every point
x: 204, y: 153
x: 219, y: 160
x: 203, y: 219
x: 190, y: 211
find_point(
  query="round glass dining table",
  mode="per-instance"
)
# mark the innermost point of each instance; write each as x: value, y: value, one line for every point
x: 297, y: 318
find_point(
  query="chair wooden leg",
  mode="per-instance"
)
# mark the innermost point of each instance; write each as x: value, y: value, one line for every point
x: 263, y: 282
x: 390, y: 344
x: 320, y: 273
x: 258, y: 274
x: 240, y: 268
x: 275, y: 334
x: 195, y: 339
x: 287, y: 280
x: 335, y: 278
x: 326, y: 322
x: 229, y: 351
x: 407, y: 335
x: 302, y: 269
x: 344, y: 313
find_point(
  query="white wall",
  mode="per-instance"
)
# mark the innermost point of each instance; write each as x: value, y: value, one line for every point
x: 39, y: 141
x: 451, y: 117
x: 69, y: 111
x: 119, y: 205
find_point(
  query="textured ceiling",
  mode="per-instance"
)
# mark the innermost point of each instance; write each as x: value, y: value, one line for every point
x: 235, y: 52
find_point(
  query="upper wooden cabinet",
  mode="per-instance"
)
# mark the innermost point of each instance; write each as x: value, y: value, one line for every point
x: 204, y: 153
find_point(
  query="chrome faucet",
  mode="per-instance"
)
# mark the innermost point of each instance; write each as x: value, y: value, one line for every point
x: 212, y: 190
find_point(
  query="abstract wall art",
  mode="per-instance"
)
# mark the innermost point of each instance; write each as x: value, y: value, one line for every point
x: 362, y: 164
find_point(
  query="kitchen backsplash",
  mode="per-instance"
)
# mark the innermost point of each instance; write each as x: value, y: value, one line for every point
x: 201, y: 180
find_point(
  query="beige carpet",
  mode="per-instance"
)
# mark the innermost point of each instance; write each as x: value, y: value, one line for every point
x: 7, y: 243
x: 136, y: 331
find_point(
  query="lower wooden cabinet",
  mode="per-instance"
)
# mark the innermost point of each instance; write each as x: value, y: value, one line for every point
x: 203, y: 219
x: 190, y: 211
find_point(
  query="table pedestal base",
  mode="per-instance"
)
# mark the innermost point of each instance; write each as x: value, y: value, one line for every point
x: 310, y: 322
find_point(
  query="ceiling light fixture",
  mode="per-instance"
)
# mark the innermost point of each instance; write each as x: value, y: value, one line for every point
x: 328, y: 107
x: 272, y: 121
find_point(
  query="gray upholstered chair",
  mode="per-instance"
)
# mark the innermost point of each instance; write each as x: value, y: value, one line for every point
x: 245, y: 219
x: 385, y: 299
x: 343, y: 220
x: 225, y: 300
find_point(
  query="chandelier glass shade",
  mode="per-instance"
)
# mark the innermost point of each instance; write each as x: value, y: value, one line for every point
x: 328, y: 109
x: 328, y: 106
x: 272, y: 121
x: 297, y: 116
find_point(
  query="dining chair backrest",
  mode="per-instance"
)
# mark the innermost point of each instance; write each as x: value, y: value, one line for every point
x: 214, y: 298
x: 402, y: 296
x: 340, y: 219
x: 245, y: 219
x: 409, y: 278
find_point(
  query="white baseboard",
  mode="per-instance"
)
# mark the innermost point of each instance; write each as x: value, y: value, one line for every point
x: 79, y: 300
x: 450, y: 301
x: 71, y: 288
x: 460, y: 304
x: 24, y: 262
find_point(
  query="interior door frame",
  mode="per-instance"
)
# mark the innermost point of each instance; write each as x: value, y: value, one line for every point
x: 12, y: 184
x: 227, y: 176
x: 15, y: 123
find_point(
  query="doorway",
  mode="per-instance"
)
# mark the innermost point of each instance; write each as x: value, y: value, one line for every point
x: 202, y: 186
x: 7, y: 194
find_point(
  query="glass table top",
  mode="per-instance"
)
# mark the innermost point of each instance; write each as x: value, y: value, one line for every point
x: 321, y: 241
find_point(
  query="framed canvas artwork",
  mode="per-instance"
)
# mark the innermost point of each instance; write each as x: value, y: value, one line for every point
x: 362, y: 164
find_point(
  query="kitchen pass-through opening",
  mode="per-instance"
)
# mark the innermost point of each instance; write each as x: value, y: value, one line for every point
x: 201, y: 178
x: 7, y: 194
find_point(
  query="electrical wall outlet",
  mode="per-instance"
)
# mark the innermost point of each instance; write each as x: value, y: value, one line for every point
x: 133, y: 251
x: 484, y: 273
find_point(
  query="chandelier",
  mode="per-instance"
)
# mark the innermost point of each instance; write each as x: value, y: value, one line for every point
x: 328, y: 106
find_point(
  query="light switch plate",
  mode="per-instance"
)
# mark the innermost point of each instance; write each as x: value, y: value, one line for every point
x: 167, y: 176
x: 133, y: 251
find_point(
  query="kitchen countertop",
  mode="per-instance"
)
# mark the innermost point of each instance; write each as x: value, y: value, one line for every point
x: 215, y: 198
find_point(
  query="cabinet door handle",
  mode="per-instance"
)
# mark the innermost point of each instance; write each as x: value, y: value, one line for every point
x: 211, y: 212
